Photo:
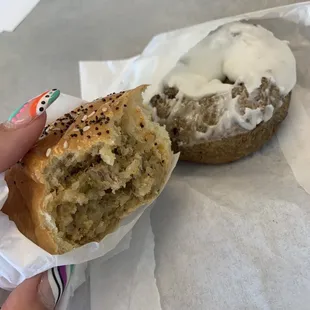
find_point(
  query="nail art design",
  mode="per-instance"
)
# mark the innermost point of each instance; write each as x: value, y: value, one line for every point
x: 34, y: 107
x: 58, y: 279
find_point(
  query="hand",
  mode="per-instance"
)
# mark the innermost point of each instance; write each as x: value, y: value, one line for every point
x: 17, y: 136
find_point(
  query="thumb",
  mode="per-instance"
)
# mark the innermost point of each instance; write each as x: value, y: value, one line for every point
x: 23, y: 129
x: 25, y: 296
x: 42, y: 292
x: 16, y: 142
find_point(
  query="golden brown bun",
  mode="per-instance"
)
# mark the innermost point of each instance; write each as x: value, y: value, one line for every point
x: 16, y: 208
x: 90, y: 169
x: 230, y: 149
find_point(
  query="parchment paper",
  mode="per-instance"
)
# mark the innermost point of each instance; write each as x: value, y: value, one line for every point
x: 220, y: 237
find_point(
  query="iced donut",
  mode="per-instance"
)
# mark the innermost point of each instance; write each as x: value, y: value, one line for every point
x: 226, y: 97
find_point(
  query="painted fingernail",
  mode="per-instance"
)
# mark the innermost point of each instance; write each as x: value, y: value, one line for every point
x: 53, y: 284
x: 33, y: 108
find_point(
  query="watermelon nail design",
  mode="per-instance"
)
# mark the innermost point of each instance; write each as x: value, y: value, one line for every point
x: 34, y: 107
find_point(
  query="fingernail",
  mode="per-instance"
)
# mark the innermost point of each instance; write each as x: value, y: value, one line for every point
x: 53, y: 284
x: 33, y: 108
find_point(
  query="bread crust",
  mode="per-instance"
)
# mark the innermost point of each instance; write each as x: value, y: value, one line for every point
x: 75, y: 133
x: 230, y: 149
x: 16, y: 207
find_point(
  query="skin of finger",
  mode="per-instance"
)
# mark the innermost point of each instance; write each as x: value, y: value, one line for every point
x: 25, y: 296
x: 15, y: 143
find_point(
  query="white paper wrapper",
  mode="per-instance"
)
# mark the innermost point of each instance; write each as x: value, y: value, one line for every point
x: 226, y: 237
x: 20, y: 258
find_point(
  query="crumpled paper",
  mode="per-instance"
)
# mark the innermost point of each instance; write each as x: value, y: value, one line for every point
x: 14, y: 267
x: 220, y: 237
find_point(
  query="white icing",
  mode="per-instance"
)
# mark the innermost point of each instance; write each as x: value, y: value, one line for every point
x: 242, y: 53
x: 198, y: 87
x: 239, y: 51
x: 268, y: 113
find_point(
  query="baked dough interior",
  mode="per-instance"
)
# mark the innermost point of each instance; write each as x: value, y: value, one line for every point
x: 88, y: 193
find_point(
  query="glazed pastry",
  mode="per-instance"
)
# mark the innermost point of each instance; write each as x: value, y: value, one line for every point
x: 227, y: 96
